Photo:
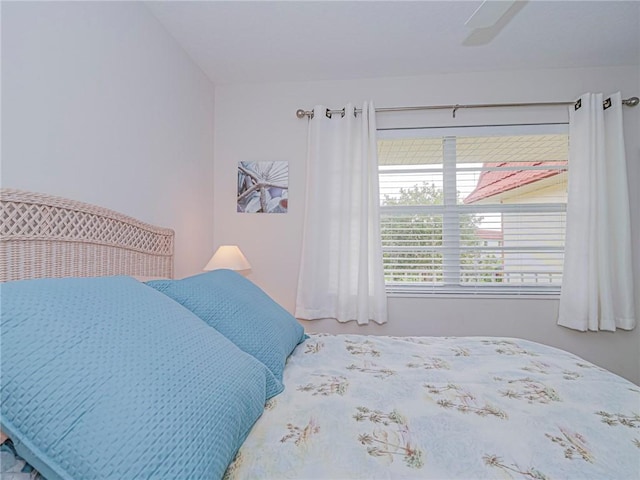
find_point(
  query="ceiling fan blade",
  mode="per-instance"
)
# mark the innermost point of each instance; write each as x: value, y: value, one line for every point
x: 479, y: 37
x: 488, y: 13
x: 483, y: 36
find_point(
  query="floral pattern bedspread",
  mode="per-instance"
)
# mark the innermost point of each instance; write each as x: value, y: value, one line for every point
x: 443, y: 408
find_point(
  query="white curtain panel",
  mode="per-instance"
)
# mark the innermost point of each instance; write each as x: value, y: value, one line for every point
x: 597, y: 284
x: 341, y: 273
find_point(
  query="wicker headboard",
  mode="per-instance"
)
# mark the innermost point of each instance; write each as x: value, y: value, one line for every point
x: 47, y: 236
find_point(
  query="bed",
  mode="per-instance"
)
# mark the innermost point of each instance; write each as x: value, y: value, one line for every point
x: 107, y: 376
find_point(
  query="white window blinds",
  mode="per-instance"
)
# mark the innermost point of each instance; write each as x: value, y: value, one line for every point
x: 473, y: 210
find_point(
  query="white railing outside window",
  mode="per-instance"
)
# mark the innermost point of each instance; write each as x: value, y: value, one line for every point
x: 473, y: 210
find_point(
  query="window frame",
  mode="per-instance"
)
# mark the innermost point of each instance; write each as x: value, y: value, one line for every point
x: 450, y: 210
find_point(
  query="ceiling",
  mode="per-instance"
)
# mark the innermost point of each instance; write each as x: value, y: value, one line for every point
x: 273, y: 41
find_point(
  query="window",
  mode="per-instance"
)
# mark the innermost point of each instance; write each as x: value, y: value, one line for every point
x: 473, y: 209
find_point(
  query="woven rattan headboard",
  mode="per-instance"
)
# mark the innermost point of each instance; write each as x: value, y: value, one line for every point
x: 47, y: 236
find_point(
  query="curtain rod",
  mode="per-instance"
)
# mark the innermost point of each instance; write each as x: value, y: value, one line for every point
x: 300, y: 113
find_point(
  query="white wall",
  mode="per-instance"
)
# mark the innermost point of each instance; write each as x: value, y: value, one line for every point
x: 100, y: 104
x: 257, y: 122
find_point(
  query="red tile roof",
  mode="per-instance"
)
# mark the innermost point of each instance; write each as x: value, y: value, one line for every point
x: 492, y: 182
x: 489, y: 234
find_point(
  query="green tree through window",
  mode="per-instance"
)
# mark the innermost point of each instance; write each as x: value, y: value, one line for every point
x: 413, y: 242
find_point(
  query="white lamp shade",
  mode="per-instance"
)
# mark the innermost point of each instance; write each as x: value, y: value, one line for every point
x: 228, y: 256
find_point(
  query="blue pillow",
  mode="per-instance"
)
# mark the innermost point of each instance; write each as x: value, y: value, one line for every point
x: 108, y: 378
x: 241, y: 311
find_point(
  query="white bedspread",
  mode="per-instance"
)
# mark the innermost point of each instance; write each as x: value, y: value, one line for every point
x: 443, y: 408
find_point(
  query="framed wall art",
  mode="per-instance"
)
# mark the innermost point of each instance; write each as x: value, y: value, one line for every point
x: 263, y: 187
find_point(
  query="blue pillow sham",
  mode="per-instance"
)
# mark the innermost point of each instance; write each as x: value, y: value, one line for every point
x: 241, y: 311
x: 108, y: 378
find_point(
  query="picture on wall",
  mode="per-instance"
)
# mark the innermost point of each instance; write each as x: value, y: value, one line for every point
x: 263, y: 187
